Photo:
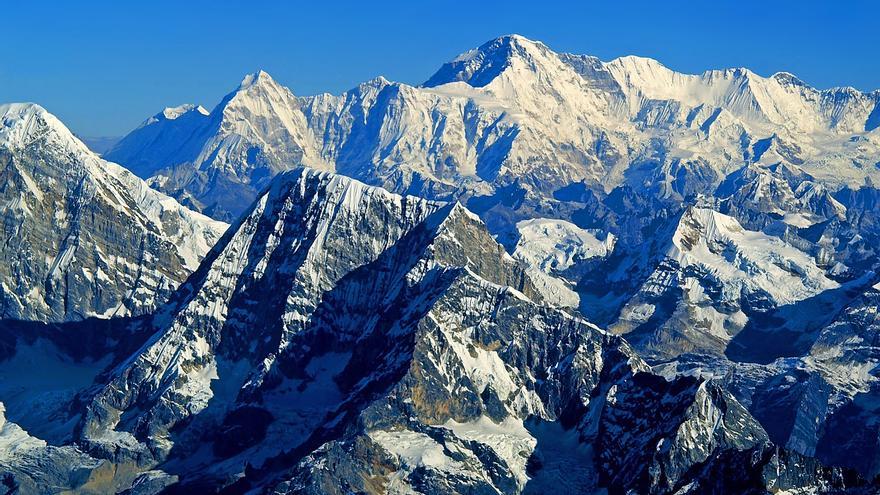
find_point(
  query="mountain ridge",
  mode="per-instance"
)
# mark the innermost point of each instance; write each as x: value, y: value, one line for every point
x: 270, y: 362
x: 416, y: 311
x: 81, y: 231
x: 551, y: 119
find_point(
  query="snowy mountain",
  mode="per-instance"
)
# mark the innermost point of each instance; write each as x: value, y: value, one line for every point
x: 712, y: 280
x: 820, y: 402
x: 513, y: 112
x: 552, y: 249
x: 219, y: 161
x: 621, y: 148
x: 438, y: 333
x: 415, y: 356
x: 84, y: 237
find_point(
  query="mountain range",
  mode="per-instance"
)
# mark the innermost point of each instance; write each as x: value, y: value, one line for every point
x: 536, y: 272
x: 511, y: 113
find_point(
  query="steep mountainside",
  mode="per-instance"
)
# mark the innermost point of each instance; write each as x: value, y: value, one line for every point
x: 821, y: 403
x: 81, y: 236
x: 219, y: 161
x: 711, y: 278
x: 414, y: 356
x: 722, y: 228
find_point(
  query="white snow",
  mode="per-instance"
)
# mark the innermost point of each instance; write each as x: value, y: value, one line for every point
x: 548, y: 247
x: 415, y: 449
x: 13, y: 439
x: 553, y: 245
x: 541, y: 115
x: 509, y: 439
x: 149, y: 215
x: 745, y: 259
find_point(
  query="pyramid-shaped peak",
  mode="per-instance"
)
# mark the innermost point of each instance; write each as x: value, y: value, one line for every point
x: 256, y: 90
x: 698, y: 223
x: 258, y: 78
x: 514, y: 39
x: 479, y: 66
x: 22, y: 123
x: 377, y: 82
x: 787, y: 78
x: 507, y: 45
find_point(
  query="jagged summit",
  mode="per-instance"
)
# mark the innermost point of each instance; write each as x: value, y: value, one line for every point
x: 478, y: 67
x: 21, y: 124
x: 504, y: 46
x: 257, y: 90
x: 788, y: 78
x: 259, y: 93
x: 256, y: 78
x: 377, y: 82
x: 740, y: 90
x: 172, y: 113
x: 341, y: 335
x: 512, y: 110
x: 711, y: 277
x: 731, y: 254
x: 337, y: 314
x: 339, y: 327
x: 255, y: 131
x: 86, y: 238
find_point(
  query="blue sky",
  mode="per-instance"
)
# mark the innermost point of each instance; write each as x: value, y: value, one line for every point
x: 103, y: 67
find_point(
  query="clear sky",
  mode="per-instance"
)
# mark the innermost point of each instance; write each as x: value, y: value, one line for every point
x: 103, y: 67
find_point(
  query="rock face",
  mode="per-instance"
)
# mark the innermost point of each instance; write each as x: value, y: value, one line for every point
x: 618, y: 150
x: 568, y: 149
x: 819, y: 401
x: 81, y: 236
x: 414, y: 356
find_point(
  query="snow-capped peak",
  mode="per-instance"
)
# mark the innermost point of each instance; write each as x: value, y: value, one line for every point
x: 259, y: 93
x: 505, y: 44
x: 378, y: 81
x: 511, y: 108
x: 172, y: 113
x: 719, y: 243
x: 23, y: 123
x: 479, y: 66
x: 260, y: 112
x: 788, y: 78
x: 85, y: 223
x: 635, y: 64
x: 703, y: 223
x: 259, y: 77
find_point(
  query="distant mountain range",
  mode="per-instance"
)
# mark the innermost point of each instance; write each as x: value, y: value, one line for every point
x: 511, y: 112
x: 535, y: 273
